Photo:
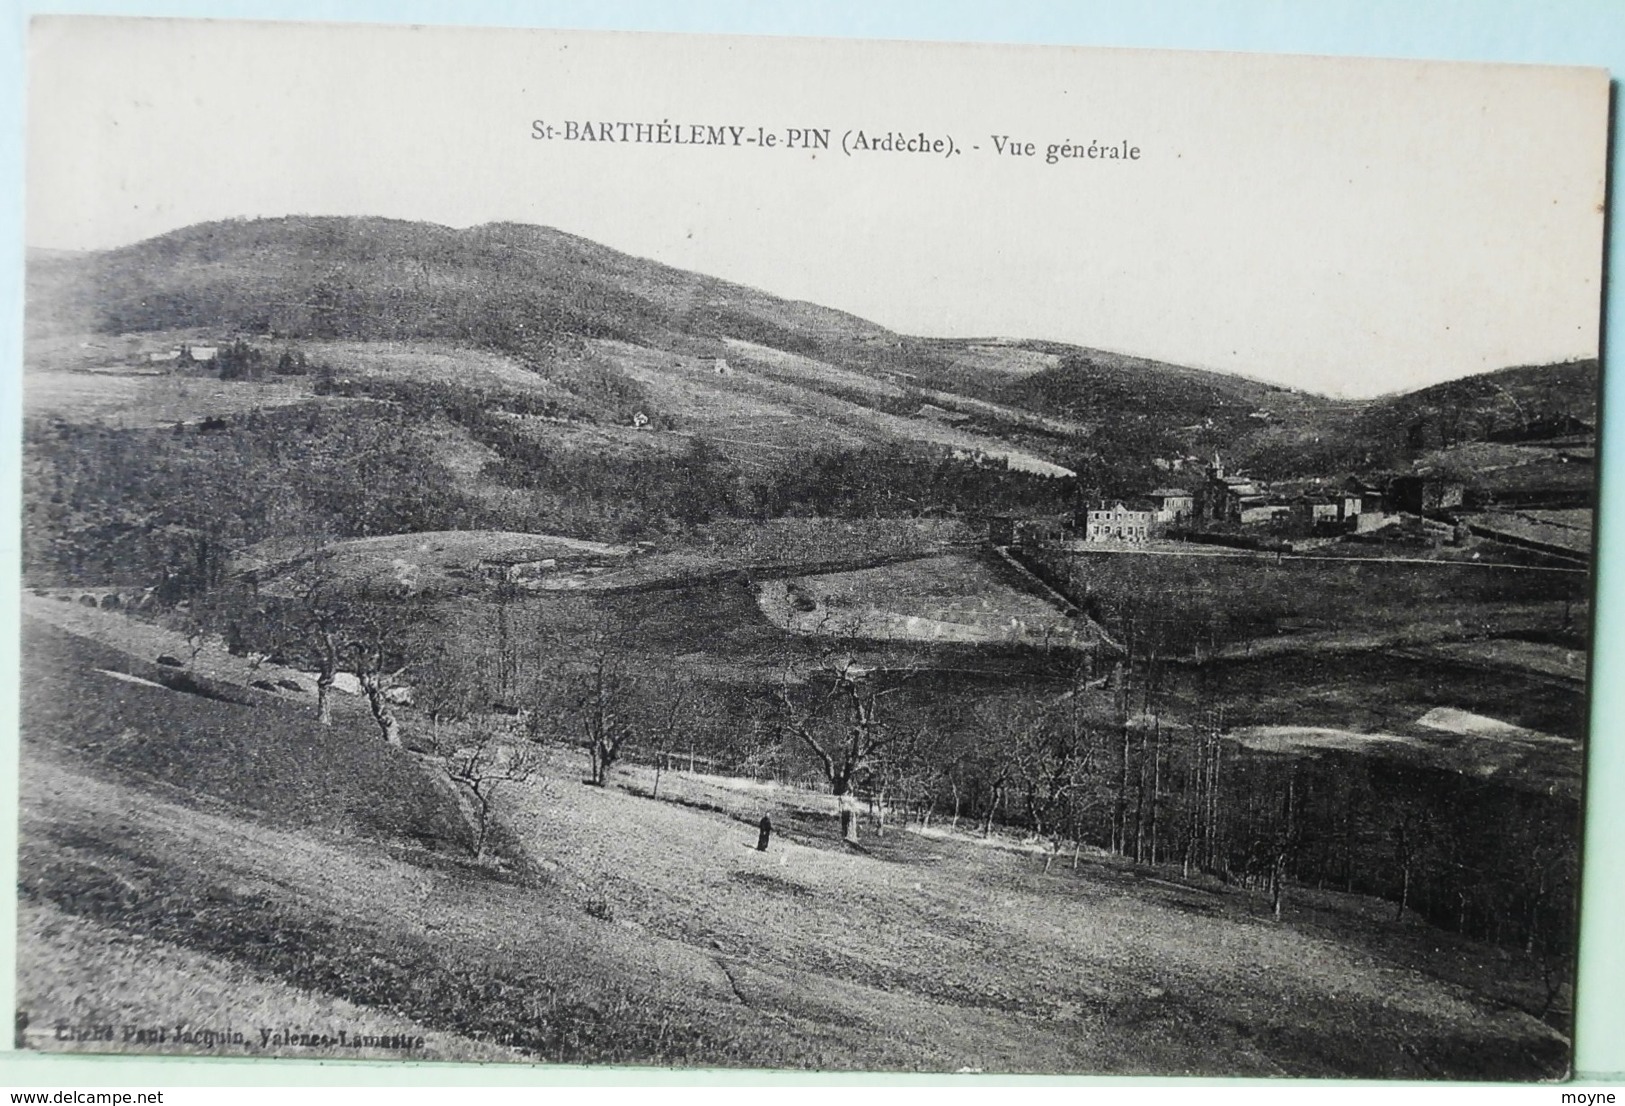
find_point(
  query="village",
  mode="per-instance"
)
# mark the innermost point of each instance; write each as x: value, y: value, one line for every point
x: 1406, y: 512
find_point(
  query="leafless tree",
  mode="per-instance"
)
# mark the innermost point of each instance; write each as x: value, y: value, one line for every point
x: 677, y: 708
x: 834, y: 708
x: 371, y: 629
x: 384, y: 631
x: 448, y: 686
x: 481, y: 756
x: 1410, y: 834
x: 594, y: 700
x: 602, y: 700
x: 308, y: 609
x: 1054, y: 756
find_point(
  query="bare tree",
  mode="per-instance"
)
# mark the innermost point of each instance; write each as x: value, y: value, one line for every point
x: 1410, y: 834
x: 306, y: 611
x: 677, y: 708
x: 448, y: 687
x: 337, y: 623
x: 604, y: 703
x: 1053, y: 756
x: 481, y: 757
x: 834, y: 710
x: 384, y: 631
x: 595, y: 697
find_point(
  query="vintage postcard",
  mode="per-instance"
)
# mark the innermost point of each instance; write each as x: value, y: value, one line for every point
x: 632, y: 549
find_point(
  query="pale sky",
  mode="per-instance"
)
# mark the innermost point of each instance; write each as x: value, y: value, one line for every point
x: 1351, y: 227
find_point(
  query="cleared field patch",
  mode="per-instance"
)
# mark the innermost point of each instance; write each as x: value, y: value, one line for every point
x: 1468, y: 724
x: 776, y: 546
x: 690, y: 390
x: 963, y: 442
x: 791, y: 541
x: 1242, y: 605
x: 1563, y: 532
x: 810, y: 369
x: 1477, y: 458
x: 466, y: 544
x: 795, y: 368
x: 994, y: 357
x: 1286, y: 739
x: 1482, y: 749
x: 1530, y: 657
x: 429, y: 560
x: 949, y: 598
x: 598, y: 439
x: 1399, y: 707
x: 428, y: 361
x: 687, y: 388
x: 142, y: 400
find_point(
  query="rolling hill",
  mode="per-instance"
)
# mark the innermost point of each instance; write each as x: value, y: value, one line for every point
x: 621, y: 334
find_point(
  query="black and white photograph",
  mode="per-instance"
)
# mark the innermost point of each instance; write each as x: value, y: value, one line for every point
x: 719, y: 552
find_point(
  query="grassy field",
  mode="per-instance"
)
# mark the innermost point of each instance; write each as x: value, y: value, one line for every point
x: 224, y: 865
x: 145, y: 401
x: 154, y: 994
x: 729, y: 406
x: 951, y: 598
x: 1241, y: 604
x: 773, y: 547
x: 430, y: 561
x: 663, y: 937
x: 221, y: 743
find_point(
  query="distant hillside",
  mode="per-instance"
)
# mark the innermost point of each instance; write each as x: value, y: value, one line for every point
x: 545, y: 297
x: 1530, y: 402
x: 503, y: 285
x: 526, y: 289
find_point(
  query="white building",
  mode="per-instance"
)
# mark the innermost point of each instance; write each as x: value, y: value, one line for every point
x: 1118, y: 523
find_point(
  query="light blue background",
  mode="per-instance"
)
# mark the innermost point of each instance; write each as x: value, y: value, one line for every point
x: 1576, y: 32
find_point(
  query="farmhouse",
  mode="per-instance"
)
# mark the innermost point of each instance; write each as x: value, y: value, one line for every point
x: 1369, y: 505
x: 1262, y: 510
x: 1118, y: 523
x: 1172, y: 506
x: 1316, y: 512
